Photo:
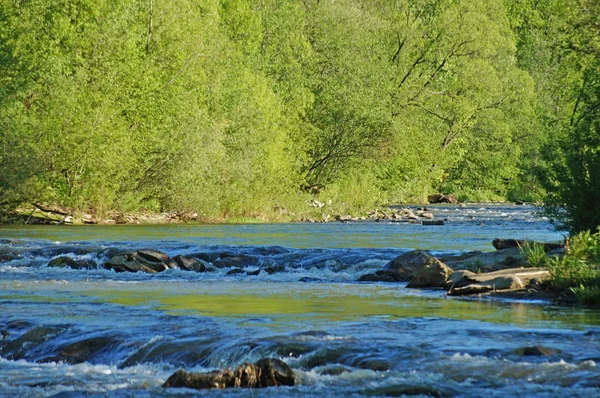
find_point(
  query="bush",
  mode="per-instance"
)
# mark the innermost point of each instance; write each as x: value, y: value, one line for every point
x: 579, y: 271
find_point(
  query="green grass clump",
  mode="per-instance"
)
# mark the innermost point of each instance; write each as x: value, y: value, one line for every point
x: 578, y: 272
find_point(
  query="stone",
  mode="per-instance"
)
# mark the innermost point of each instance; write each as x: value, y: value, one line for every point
x: 66, y: 261
x: 432, y: 222
x: 537, y: 351
x: 155, y: 256
x: 433, y: 274
x: 235, y: 271
x: 267, y: 372
x: 405, y: 266
x: 189, y: 263
x: 464, y: 282
x: 376, y: 278
x: 146, y: 260
x: 439, y: 198
x: 500, y: 244
x: 227, y: 260
x: 497, y: 260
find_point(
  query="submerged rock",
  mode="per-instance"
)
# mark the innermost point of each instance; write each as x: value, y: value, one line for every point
x: 267, y: 372
x: 65, y: 261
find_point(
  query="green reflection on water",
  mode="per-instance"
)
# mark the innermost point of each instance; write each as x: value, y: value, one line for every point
x: 298, y: 302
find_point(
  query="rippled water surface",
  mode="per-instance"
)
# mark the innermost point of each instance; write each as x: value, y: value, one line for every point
x: 93, y: 332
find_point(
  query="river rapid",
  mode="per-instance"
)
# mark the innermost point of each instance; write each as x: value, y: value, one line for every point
x: 75, y: 333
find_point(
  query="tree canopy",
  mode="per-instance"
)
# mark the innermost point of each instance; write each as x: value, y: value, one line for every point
x: 239, y: 107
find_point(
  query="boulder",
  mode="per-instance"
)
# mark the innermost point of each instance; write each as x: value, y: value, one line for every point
x: 404, y: 267
x: 432, y: 222
x: 146, y: 260
x: 65, y: 261
x: 465, y: 282
x: 491, y: 261
x: 439, y: 198
x: 267, y: 372
x: 189, y: 263
x: 433, y: 274
x: 501, y: 244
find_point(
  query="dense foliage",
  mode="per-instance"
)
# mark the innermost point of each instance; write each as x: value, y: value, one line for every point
x: 239, y: 107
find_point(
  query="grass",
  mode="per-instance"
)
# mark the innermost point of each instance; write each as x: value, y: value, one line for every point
x: 578, y: 272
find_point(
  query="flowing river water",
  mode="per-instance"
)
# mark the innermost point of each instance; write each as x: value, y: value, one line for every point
x: 75, y: 333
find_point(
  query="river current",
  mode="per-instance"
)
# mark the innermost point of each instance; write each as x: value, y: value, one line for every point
x: 75, y: 333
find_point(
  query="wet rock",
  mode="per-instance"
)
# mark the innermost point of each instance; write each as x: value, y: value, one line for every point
x: 65, y: 261
x: 377, y: 277
x: 432, y: 222
x: 275, y: 372
x: 189, y: 263
x: 17, y: 348
x: 440, y: 198
x: 155, y: 256
x: 253, y: 273
x: 273, y: 269
x: 334, y: 370
x: 82, y: 351
x: 235, y: 271
x: 433, y: 274
x: 208, y: 257
x: 501, y: 244
x: 229, y: 260
x: 308, y: 279
x: 333, y: 265
x: 267, y: 372
x: 404, y: 267
x: 536, y: 350
x: 408, y: 390
x: 146, y: 260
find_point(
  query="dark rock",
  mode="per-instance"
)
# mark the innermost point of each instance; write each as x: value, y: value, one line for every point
x: 268, y: 372
x: 275, y: 373
x: 439, y: 198
x: 65, y: 261
x: 308, y: 279
x: 519, y: 203
x: 404, y: 267
x: 433, y: 274
x: 408, y: 390
x: 227, y: 260
x: 536, y: 350
x: 432, y: 222
x: 376, y: 278
x: 146, y: 260
x: 253, y: 273
x: 189, y: 263
x: 82, y: 351
x: 273, y: 269
x: 156, y: 256
x: 501, y: 244
x: 208, y: 257
x: 235, y: 271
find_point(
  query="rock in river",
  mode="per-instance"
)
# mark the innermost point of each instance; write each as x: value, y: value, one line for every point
x: 267, y: 372
x: 147, y: 260
x: 404, y: 267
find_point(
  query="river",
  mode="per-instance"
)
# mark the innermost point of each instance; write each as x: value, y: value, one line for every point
x: 75, y: 333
